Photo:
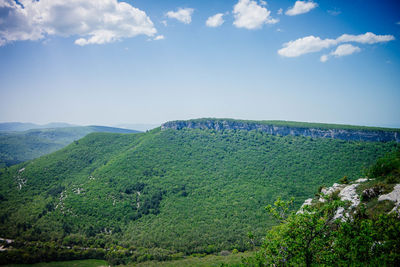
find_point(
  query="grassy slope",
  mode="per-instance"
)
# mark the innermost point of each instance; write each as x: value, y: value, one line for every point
x: 199, y: 190
x: 77, y: 263
x: 16, y: 147
x: 206, y: 261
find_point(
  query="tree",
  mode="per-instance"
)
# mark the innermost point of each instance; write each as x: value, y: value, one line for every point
x: 301, y: 239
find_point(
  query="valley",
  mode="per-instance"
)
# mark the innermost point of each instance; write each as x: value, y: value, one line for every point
x: 171, y: 192
x: 20, y: 142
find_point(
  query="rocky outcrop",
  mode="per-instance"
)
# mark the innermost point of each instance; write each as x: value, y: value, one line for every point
x: 348, y: 193
x: 393, y: 196
x: 369, y: 134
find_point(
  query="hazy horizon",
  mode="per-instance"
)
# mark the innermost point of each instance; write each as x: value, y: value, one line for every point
x: 147, y: 126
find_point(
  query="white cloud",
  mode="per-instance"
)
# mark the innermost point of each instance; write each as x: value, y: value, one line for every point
x: 159, y: 37
x: 301, y: 7
x: 311, y: 43
x: 280, y: 11
x: 183, y: 15
x: 340, y: 51
x: 249, y: 15
x: 164, y: 22
x: 95, y: 22
x: 324, y: 58
x: 263, y: 3
x: 367, y: 38
x: 215, y: 21
x: 334, y: 12
x: 305, y: 45
x: 345, y: 50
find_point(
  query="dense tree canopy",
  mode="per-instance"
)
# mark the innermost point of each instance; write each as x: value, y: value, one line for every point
x: 167, y: 192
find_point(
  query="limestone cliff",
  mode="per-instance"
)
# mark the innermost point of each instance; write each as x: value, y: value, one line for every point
x: 349, y: 133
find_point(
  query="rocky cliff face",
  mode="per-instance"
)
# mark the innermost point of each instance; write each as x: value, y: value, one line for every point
x: 344, y: 134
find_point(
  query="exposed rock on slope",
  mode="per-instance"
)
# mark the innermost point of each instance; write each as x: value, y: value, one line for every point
x: 348, y: 193
x: 393, y: 196
x: 278, y: 128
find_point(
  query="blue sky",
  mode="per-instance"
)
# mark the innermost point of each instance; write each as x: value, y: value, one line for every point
x: 151, y: 61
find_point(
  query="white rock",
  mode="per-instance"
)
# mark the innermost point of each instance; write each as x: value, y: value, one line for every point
x: 349, y: 193
x: 307, y: 202
x: 361, y: 180
x: 333, y: 188
x: 339, y: 214
x: 393, y: 196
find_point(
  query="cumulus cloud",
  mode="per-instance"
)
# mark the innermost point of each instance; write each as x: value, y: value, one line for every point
x: 345, y: 50
x: 280, y: 11
x: 95, y: 22
x: 215, y: 21
x: 182, y: 14
x: 312, y: 44
x: 250, y: 15
x: 301, y: 7
x: 340, y: 51
x: 305, y: 45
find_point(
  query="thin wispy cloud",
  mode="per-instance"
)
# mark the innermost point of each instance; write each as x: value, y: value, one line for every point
x: 334, y: 12
x: 215, y: 21
x: 324, y: 58
x: 310, y: 44
x: 183, y: 15
x: 367, y: 38
x: 159, y: 37
x: 301, y: 7
x: 92, y: 22
x: 250, y: 15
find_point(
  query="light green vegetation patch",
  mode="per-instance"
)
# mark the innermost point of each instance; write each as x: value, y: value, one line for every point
x: 209, y: 260
x: 77, y: 263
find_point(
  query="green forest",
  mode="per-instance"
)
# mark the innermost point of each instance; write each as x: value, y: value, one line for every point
x: 166, y: 194
x: 314, y: 237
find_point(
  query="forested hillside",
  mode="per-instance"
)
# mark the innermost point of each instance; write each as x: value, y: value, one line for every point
x: 170, y: 191
x: 349, y: 224
x: 19, y: 146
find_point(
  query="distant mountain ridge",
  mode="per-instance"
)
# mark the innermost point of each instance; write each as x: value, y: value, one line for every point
x: 314, y: 130
x: 18, y: 146
x: 137, y: 126
x: 25, y: 126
